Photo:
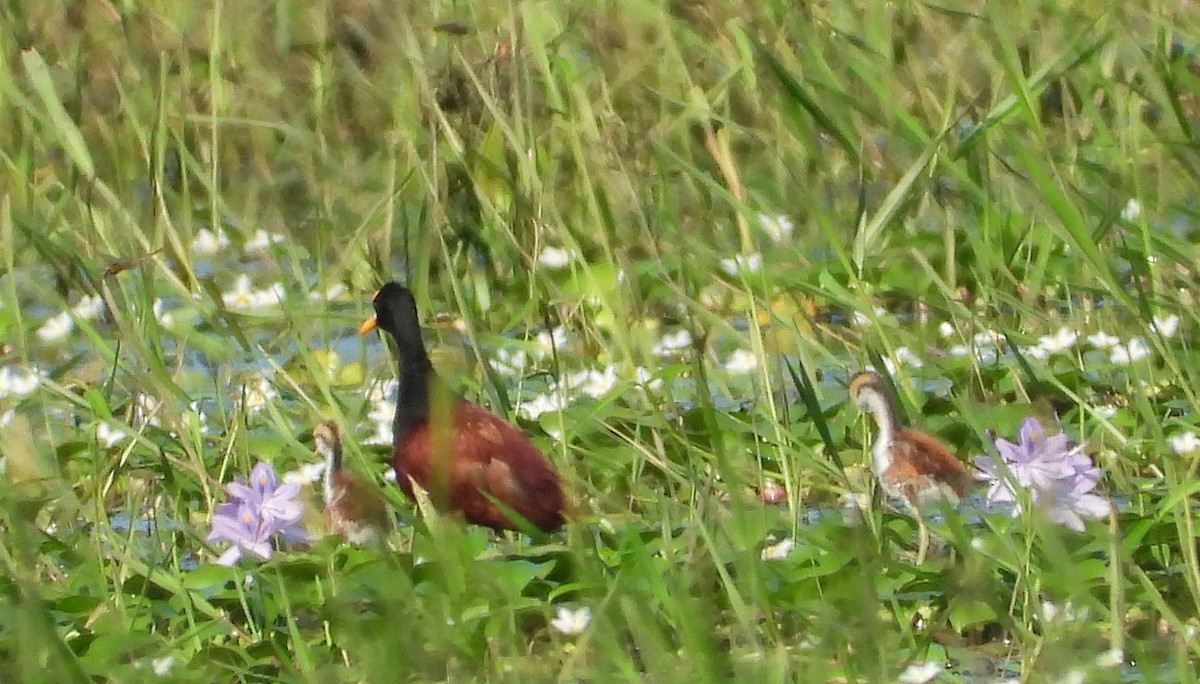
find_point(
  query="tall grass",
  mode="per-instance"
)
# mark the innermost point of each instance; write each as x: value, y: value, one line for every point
x: 969, y: 164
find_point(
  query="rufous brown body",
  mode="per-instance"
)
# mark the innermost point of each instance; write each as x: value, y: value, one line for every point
x: 353, y: 510
x: 908, y: 463
x: 468, y: 460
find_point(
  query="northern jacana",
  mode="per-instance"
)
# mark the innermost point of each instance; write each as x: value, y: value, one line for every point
x: 908, y: 463
x: 467, y: 459
x: 353, y: 510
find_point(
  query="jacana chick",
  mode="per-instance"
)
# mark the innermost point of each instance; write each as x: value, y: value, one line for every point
x: 353, y: 509
x: 469, y: 460
x: 908, y: 463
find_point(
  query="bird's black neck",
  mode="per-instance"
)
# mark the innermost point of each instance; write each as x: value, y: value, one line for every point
x: 417, y: 379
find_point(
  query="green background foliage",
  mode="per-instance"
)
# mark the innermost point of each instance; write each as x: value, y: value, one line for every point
x: 966, y: 164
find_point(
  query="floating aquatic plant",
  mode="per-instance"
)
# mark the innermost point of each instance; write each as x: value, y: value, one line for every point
x: 257, y: 512
x: 1058, y: 476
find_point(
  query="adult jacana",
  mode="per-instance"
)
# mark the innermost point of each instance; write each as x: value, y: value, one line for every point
x: 353, y: 509
x: 908, y: 463
x: 469, y: 460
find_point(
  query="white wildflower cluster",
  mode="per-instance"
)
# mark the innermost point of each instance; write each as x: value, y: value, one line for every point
x: 382, y: 400
x: 777, y: 551
x: 62, y: 323
x: 673, y: 343
x: 261, y: 240
x: 257, y: 393
x: 211, y: 241
x: 742, y: 263
x: 571, y: 621
x: 903, y: 356
x: 245, y: 296
x: 107, y: 436
x: 306, y: 475
x: 862, y: 320
x: 328, y: 294
x: 741, y: 361
x: 555, y: 258
x: 16, y: 381
x: 1184, y: 442
x: 208, y: 242
x: 590, y: 383
x: 778, y: 228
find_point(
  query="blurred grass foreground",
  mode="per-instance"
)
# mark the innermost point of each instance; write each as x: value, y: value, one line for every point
x: 659, y: 237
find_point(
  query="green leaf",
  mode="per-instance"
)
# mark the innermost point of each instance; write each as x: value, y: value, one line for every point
x: 68, y: 133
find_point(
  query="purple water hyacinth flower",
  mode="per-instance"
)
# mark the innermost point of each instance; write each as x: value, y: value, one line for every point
x: 256, y: 512
x: 1058, y: 476
x: 264, y: 493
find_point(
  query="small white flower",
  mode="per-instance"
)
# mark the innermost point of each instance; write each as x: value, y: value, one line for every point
x: 305, y: 475
x: 145, y: 409
x: 209, y: 241
x: 778, y: 551
x: 161, y: 667
x: 750, y: 263
x: 17, y: 382
x: 1134, y: 350
x: 1103, y: 340
x: 862, y: 320
x: 593, y: 383
x: 56, y: 327
x: 328, y: 294
x: 919, y: 673
x: 945, y: 329
x: 1132, y: 210
x: 6, y: 418
x: 906, y: 356
x: 269, y: 296
x: 572, y: 622
x: 1105, y: 411
x: 1060, y: 341
x: 262, y: 240
x: 257, y: 394
x: 671, y: 343
x: 1113, y: 657
x: 164, y: 318
x: 108, y: 436
x: 741, y: 361
x: 89, y: 307
x: 989, y: 337
x: 1184, y: 443
x: 1036, y: 352
x: 510, y: 362
x: 1166, y: 326
x: 555, y: 257
x: 542, y: 403
x: 647, y: 379
x: 776, y: 227
x: 389, y: 475
x: 550, y: 340
x: 243, y: 296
